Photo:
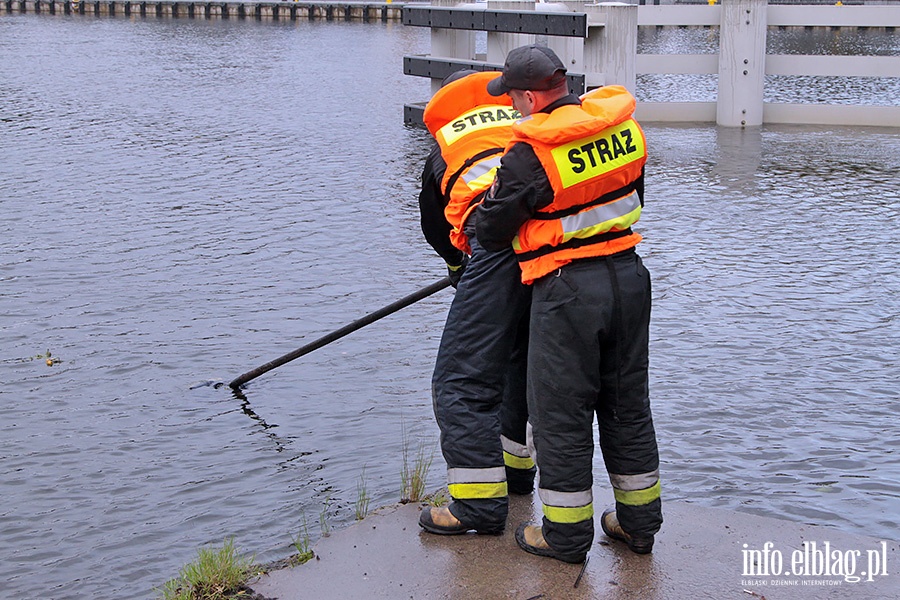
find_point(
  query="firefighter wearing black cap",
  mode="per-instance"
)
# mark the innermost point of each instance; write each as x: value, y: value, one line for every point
x: 569, y: 189
x: 479, y: 377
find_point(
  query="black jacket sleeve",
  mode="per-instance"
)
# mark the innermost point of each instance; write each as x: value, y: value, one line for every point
x: 431, y: 210
x: 520, y: 188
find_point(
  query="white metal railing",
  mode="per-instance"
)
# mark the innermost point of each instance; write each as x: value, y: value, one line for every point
x: 608, y: 54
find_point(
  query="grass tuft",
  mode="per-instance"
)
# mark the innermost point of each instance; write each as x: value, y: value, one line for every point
x: 439, y: 498
x: 324, y: 526
x: 413, y: 477
x: 303, y: 545
x: 362, y: 497
x: 217, y: 574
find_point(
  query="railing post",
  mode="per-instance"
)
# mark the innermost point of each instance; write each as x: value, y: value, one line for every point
x: 610, y: 51
x: 742, y: 63
x: 569, y: 49
x: 499, y: 44
x: 450, y: 43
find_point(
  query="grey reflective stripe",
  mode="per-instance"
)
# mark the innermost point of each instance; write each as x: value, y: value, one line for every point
x: 532, y: 451
x: 601, y: 214
x: 514, y: 448
x: 632, y: 483
x: 566, y: 499
x: 481, y: 168
x: 489, y: 475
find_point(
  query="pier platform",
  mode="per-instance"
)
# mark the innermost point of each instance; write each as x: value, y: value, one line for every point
x: 700, y: 553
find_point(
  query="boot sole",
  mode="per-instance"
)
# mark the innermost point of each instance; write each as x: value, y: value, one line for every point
x: 459, y: 530
x: 637, y: 549
x: 574, y: 559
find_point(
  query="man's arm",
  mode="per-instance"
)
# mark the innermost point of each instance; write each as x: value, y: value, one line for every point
x: 520, y: 188
x: 431, y: 210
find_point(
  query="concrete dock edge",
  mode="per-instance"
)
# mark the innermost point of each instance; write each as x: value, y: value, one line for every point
x: 700, y: 553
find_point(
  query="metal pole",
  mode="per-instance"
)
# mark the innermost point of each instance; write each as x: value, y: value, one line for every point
x: 349, y: 328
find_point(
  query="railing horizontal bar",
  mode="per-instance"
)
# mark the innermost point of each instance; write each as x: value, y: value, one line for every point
x: 831, y: 65
x: 675, y: 15
x: 833, y: 16
x: 438, y: 68
x: 832, y: 114
x: 499, y: 21
x: 776, y: 15
x: 676, y: 112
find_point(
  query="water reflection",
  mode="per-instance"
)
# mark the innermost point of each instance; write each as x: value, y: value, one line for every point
x: 778, y: 330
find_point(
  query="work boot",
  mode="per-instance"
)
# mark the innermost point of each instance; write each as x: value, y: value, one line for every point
x: 611, y: 527
x: 441, y: 521
x: 531, y: 539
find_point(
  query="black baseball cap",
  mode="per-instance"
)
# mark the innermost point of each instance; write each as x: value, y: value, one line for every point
x: 529, y: 68
x: 455, y: 75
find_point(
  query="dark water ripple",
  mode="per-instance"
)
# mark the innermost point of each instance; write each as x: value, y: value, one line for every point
x: 183, y: 200
x: 779, y: 301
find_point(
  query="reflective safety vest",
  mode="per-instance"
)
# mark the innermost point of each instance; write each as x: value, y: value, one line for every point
x: 593, y: 155
x: 472, y: 128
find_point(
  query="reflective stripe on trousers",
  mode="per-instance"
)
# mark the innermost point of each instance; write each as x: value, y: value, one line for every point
x: 515, y: 455
x: 470, y: 484
x: 588, y: 356
x: 470, y: 383
x: 636, y: 490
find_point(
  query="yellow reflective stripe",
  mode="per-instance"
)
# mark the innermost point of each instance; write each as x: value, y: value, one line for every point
x: 619, y: 214
x: 479, y: 119
x: 619, y: 224
x: 638, y: 497
x: 471, y: 491
x: 517, y: 462
x: 483, y: 182
x: 561, y: 514
x: 596, y: 155
x: 481, y: 175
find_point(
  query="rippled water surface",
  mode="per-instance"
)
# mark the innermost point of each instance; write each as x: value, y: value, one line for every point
x: 183, y: 200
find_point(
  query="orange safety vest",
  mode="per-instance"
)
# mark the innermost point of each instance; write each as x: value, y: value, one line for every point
x: 593, y: 155
x: 472, y: 128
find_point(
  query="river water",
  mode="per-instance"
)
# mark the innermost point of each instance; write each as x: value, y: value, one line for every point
x: 184, y: 200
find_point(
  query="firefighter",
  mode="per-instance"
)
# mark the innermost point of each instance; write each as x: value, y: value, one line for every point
x: 479, y: 377
x: 566, y: 195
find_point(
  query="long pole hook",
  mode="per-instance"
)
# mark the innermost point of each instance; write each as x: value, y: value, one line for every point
x: 337, y: 334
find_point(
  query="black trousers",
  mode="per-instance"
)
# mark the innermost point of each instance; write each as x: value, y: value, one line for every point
x: 589, y: 356
x: 479, y: 383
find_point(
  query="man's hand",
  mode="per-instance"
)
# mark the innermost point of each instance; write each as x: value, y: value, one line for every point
x: 455, y: 271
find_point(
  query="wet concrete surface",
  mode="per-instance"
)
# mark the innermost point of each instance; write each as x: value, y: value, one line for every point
x: 699, y: 553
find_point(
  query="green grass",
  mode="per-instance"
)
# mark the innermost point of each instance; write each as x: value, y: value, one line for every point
x: 362, y: 497
x: 222, y: 574
x: 439, y: 498
x: 324, y: 526
x: 303, y: 546
x: 217, y: 574
x: 414, y: 475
